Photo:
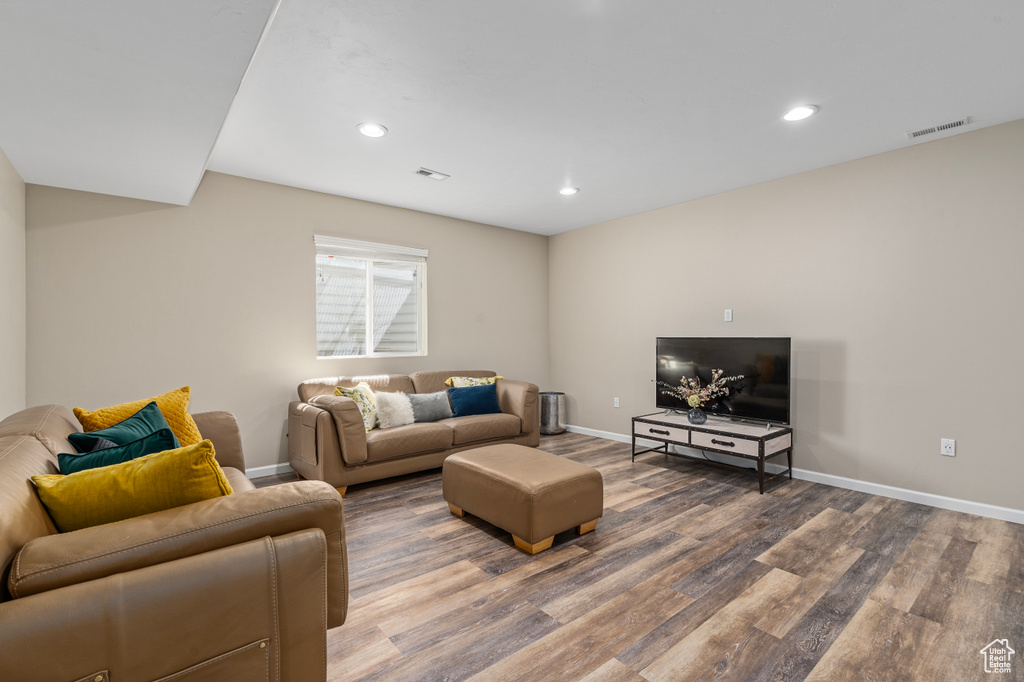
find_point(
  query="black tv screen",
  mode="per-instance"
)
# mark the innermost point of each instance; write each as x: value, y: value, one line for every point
x: 763, y: 392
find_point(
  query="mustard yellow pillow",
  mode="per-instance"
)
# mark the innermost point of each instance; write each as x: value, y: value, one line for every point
x: 173, y: 405
x: 152, y: 483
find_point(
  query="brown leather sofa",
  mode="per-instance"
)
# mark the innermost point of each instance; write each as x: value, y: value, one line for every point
x: 328, y: 442
x: 241, y: 587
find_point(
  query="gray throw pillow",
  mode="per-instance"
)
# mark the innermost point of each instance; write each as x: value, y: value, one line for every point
x: 429, y: 407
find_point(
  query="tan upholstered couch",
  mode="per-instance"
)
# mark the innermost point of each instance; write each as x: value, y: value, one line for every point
x: 241, y: 587
x: 328, y: 442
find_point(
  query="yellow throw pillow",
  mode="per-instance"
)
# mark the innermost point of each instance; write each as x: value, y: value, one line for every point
x: 462, y: 382
x: 152, y: 483
x: 362, y: 394
x: 173, y: 405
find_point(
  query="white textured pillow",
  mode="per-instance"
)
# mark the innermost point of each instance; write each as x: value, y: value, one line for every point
x: 393, y: 409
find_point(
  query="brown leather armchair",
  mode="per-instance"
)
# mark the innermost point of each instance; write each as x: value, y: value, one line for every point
x: 241, y: 587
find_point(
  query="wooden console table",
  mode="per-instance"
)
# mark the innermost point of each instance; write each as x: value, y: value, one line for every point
x: 718, y: 435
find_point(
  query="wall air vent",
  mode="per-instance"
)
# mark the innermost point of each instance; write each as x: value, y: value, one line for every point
x: 930, y: 130
x: 432, y: 174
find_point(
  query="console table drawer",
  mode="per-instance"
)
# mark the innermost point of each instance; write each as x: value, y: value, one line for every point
x: 698, y: 439
x: 659, y: 432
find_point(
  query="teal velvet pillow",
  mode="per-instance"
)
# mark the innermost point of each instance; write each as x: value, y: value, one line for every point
x: 143, y: 423
x: 158, y: 441
x: 474, y: 400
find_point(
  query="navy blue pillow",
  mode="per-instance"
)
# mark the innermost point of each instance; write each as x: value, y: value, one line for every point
x: 158, y: 441
x: 143, y: 423
x: 474, y: 400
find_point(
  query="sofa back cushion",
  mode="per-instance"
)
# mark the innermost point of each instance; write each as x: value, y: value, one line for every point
x: 49, y: 424
x: 24, y: 517
x: 433, y: 381
x: 392, y: 383
x: 30, y: 441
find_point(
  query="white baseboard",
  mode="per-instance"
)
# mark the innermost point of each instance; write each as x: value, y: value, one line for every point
x: 930, y: 499
x: 257, y: 472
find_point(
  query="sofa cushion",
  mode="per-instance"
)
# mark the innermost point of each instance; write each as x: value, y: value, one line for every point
x: 401, y: 441
x: 50, y: 424
x: 24, y: 517
x: 173, y: 405
x: 141, y: 486
x: 432, y: 382
x: 238, y: 481
x: 483, y: 427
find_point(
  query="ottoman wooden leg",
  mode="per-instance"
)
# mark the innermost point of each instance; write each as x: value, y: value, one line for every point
x: 455, y: 510
x: 534, y: 548
x: 342, y: 490
x: 588, y: 526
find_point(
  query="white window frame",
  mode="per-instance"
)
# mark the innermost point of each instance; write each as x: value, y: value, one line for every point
x: 370, y: 253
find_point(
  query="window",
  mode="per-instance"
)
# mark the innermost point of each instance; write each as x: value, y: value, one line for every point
x: 370, y: 299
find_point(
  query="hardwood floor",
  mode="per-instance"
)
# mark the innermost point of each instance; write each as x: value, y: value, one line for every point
x: 690, y: 575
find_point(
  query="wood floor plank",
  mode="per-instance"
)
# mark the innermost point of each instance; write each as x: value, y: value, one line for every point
x: 947, y: 582
x: 813, y: 634
x: 419, y: 615
x: 803, y: 549
x: 788, y: 612
x: 665, y: 636
x: 856, y: 586
x: 880, y: 643
x: 977, y: 615
x: 912, y: 571
x: 723, y: 636
x: 992, y: 561
x: 613, y: 671
x: 582, y: 646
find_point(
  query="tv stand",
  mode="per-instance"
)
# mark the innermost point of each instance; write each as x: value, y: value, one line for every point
x: 720, y: 436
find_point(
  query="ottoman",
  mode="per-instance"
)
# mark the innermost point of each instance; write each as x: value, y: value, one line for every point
x: 528, y: 492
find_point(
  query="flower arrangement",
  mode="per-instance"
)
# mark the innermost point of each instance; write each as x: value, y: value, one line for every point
x: 693, y: 394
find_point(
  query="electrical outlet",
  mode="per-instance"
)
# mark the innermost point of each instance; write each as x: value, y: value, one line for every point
x: 728, y: 314
x: 615, y: 402
x: 947, y: 447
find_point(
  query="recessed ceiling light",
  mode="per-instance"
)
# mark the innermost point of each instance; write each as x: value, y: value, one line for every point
x: 569, y: 191
x: 800, y: 113
x: 372, y: 129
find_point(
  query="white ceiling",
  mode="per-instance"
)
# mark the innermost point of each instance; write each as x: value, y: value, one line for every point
x: 121, y: 97
x: 641, y: 104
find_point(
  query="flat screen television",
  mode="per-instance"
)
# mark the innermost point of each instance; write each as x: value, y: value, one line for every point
x: 763, y: 392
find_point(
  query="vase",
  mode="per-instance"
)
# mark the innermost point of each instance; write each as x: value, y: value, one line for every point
x: 696, y: 415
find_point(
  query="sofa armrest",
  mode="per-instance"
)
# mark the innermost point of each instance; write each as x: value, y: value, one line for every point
x: 521, y: 399
x: 348, y: 422
x: 250, y: 611
x: 54, y: 561
x: 222, y: 429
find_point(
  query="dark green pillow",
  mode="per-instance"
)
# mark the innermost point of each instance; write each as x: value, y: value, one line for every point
x: 146, y: 421
x: 158, y: 441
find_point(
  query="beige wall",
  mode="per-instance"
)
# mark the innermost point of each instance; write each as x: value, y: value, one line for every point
x: 130, y: 298
x: 898, y: 277
x: 12, y: 289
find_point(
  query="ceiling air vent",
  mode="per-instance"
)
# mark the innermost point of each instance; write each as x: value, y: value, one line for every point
x: 432, y: 174
x: 959, y: 123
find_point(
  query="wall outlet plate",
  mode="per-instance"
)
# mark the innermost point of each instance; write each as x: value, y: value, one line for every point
x: 947, y: 447
x: 615, y: 402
